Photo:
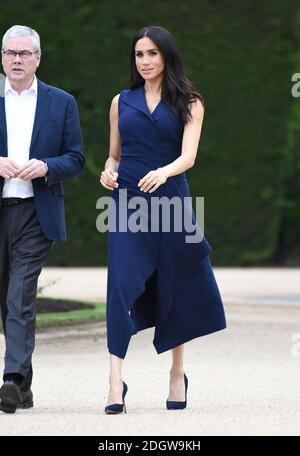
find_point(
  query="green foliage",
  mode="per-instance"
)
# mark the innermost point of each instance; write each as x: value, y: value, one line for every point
x: 240, y: 55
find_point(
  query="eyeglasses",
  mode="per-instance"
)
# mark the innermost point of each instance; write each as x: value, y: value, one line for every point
x: 24, y: 55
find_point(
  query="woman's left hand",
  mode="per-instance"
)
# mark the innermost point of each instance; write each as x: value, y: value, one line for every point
x: 153, y: 180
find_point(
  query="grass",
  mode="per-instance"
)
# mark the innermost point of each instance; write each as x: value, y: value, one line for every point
x: 73, y: 317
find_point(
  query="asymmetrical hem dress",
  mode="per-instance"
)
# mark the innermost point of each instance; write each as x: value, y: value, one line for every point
x: 155, y: 277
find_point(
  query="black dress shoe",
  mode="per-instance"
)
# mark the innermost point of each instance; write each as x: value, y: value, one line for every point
x: 10, y: 395
x: 27, y: 400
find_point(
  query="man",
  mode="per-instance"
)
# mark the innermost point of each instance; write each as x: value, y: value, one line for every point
x: 40, y: 146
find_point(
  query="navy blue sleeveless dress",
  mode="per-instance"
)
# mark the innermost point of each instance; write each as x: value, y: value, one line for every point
x: 156, y: 279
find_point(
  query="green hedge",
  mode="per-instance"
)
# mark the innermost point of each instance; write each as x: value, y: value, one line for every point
x: 240, y: 55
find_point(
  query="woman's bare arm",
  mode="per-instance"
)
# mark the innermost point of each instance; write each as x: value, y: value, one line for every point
x: 110, y: 174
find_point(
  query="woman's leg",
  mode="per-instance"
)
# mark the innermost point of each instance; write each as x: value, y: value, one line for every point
x: 176, y: 384
x: 115, y: 380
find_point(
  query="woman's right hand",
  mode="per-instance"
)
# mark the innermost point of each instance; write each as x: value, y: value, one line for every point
x: 109, y: 179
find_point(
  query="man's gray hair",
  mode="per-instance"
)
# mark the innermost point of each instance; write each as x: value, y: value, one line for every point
x: 24, y: 31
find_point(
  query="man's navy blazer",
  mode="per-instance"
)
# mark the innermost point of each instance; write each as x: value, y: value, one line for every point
x: 57, y: 140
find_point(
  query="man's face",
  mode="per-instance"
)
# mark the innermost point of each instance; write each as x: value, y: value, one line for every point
x: 20, y: 69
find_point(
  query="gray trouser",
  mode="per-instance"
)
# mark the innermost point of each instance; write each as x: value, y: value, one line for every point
x: 23, y: 251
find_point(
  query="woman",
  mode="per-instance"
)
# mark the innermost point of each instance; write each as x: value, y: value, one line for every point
x: 156, y: 278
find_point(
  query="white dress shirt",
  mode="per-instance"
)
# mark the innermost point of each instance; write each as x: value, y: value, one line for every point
x: 20, y: 114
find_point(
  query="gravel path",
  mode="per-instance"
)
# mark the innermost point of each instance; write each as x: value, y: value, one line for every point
x: 242, y: 381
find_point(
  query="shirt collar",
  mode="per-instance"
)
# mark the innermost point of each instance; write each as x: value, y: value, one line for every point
x: 32, y: 88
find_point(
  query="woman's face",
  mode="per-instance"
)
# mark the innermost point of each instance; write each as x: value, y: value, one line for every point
x: 148, y: 59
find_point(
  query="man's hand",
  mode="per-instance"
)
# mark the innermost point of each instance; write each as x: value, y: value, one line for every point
x: 9, y: 169
x: 34, y: 168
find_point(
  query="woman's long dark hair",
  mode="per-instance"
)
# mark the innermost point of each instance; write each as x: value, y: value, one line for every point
x: 177, y: 91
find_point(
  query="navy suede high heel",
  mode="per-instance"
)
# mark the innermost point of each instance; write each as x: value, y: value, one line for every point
x: 114, y: 409
x: 179, y: 405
